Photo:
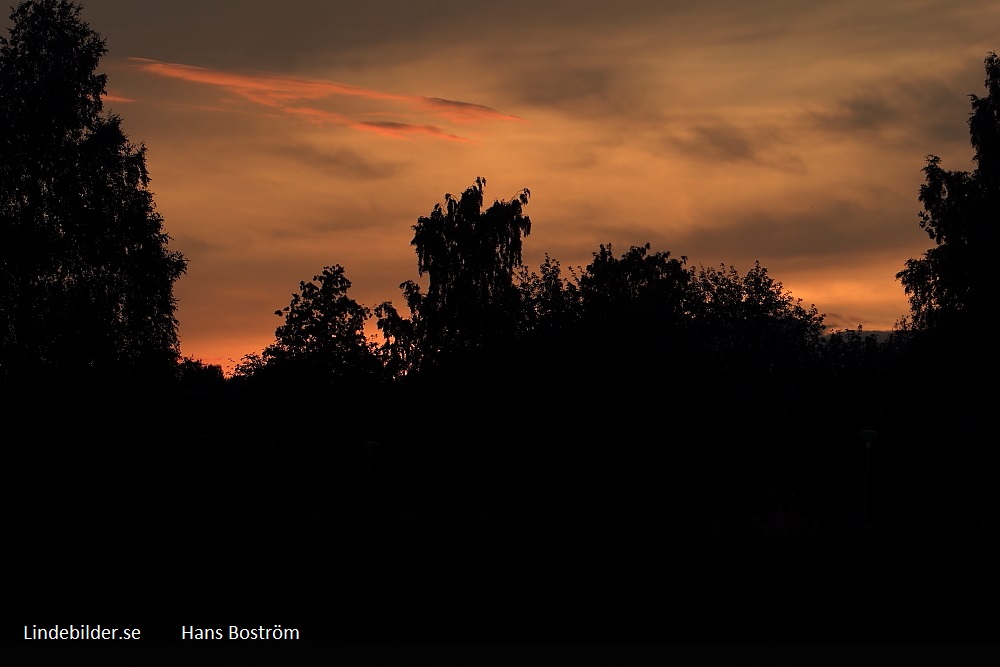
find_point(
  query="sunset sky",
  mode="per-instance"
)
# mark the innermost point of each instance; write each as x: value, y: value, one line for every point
x: 286, y: 136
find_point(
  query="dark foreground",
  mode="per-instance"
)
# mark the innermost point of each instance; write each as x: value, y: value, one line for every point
x: 608, y: 542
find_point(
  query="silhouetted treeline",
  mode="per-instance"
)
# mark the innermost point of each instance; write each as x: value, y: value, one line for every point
x: 644, y: 416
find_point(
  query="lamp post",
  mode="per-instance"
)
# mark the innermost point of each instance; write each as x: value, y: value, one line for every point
x: 869, y: 437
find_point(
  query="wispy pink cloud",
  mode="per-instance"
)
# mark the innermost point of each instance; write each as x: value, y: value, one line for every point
x: 400, y: 130
x: 288, y: 95
x: 319, y: 115
x: 269, y: 90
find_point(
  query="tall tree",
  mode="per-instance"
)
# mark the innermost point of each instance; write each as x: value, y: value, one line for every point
x: 955, y: 283
x: 631, y: 310
x: 324, y: 331
x: 86, y: 275
x: 470, y: 257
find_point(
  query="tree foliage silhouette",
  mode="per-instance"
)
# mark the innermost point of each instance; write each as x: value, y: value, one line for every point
x: 650, y: 307
x: 87, y: 279
x: 639, y: 287
x: 752, y: 321
x: 955, y: 282
x: 470, y: 257
x: 632, y: 308
x: 324, y: 330
x: 551, y: 303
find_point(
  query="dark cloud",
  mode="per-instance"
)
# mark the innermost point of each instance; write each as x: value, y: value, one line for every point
x: 617, y: 90
x: 721, y: 141
x: 298, y: 35
x: 339, y: 162
x: 565, y: 85
x: 836, y: 228
x: 466, y: 111
x: 864, y: 112
x: 903, y: 110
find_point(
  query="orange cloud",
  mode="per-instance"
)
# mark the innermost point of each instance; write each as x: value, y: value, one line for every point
x: 399, y: 130
x: 319, y: 115
x: 269, y: 90
x: 280, y: 92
